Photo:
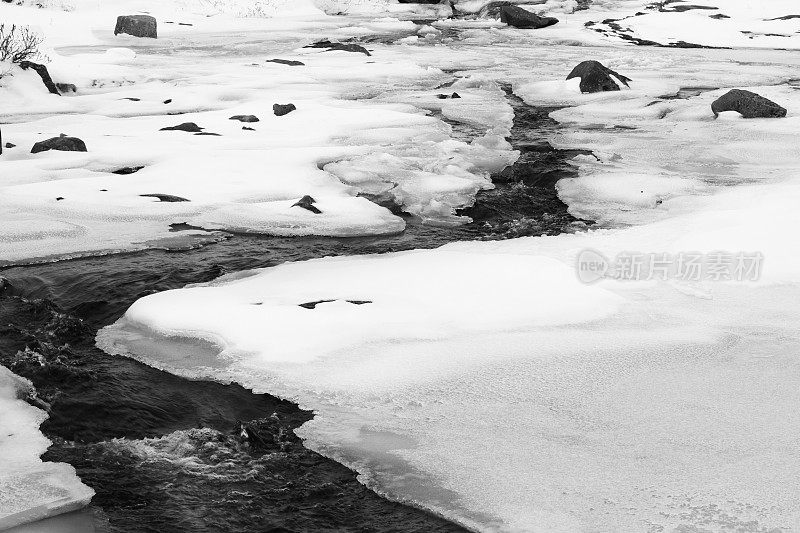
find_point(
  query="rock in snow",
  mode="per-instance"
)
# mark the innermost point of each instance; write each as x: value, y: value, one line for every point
x: 190, y: 127
x: 596, y: 77
x: 307, y: 203
x: 245, y: 118
x: 61, y: 143
x: 748, y: 104
x: 522, y: 18
x: 282, y: 109
x: 137, y: 25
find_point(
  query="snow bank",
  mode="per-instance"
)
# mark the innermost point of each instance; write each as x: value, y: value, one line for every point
x: 30, y: 489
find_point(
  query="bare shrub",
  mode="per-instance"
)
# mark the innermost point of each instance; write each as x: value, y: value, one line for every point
x: 18, y: 43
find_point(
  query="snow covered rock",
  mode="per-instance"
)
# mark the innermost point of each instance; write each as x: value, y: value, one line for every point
x: 137, y: 25
x: 522, y: 18
x: 596, y: 77
x: 61, y: 143
x: 748, y: 104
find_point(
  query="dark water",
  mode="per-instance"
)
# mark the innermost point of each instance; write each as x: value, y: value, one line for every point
x: 169, y: 454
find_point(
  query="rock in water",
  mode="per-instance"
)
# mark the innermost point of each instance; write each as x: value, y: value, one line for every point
x: 747, y: 104
x: 191, y: 127
x: 307, y: 203
x: 596, y: 77
x: 282, y: 109
x: 137, y: 25
x: 245, y: 118
x: 524, y: 19
x: 61, y: 143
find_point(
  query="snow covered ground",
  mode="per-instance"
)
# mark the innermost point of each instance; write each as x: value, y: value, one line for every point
x: 481, y: 380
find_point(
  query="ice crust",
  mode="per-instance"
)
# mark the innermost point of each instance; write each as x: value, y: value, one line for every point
x: 29, y: 488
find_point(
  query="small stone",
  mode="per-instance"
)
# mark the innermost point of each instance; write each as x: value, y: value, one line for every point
x: 283, y: 109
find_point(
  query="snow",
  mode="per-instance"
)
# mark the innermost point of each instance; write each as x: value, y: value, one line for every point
x: 481, y: 380
x: 29, y: 488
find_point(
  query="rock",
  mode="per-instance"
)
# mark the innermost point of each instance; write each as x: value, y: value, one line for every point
x: 596, y: 77
x: 248, y: 129
x: 66, y: 88
x: 307, y: 203
x: 186, y: 126
x: 748, y: 104
x: 10, y: 145
x: 124, y: 171
x: 524, y: 19
x: 41, y: 70
x: 168, y: 101
x: 287, y: 62
x: 165, y: 197
x: 137, y: 25
x: 418, y: 1
x: 345, y: 47
x: 61, y: 143
x: 244, y: 118
x: 209, y: 133
x: 283, y: 109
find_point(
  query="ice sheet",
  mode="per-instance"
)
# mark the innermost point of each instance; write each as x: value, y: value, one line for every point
x: 29, y: 488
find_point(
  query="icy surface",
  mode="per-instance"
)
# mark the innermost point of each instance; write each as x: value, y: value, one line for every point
x: 480, y: 380
x: 29, y: 488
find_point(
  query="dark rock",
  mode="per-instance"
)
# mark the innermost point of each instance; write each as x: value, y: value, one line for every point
x: 41, y: 70
x: 345, y: 47
x: 58, y: 199
x: 133, y: 99
x: 418, y: 1
x: 445, y: 96
x: 455, y: 95
x: 282, y: 109
x: 10, y: 145
x: 168, y: 101
x: 245, y: 118
x: 719, y: 16
x: 66, y: 88
x: 287, y: 62
x: 748, y: 104
x: 307, y: 202
x: 124, y: 171
x: 186, y: 126
x: 165, y: 197
x: 524, y: 19
x: 209, y: 133
x: 137, y: 25
x: 248, y: 129
x: 596, y: 77
x: 61, y: 143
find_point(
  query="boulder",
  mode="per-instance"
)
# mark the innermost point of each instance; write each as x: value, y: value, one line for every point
x: 61, y: 143
x: 307, y: 203
x: 137, y: 25
x: 596, y: 77
x: 524, y: 19
x: 748, y: 104
x: 282, y: 109
x: 191, y: 127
